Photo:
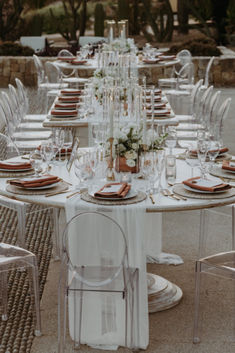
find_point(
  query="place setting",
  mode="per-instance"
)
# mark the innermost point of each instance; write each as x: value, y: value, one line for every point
x: 15, y: 169
x: 113, y: 194
x: 37, y: 185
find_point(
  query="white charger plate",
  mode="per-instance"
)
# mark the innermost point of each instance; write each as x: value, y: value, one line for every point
x: 203, y: 192
x: 16, y: 170
x: 132, y: 193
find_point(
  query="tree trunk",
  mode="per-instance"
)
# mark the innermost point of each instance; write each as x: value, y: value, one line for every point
x: 183, y: 16
x: 83, y: 18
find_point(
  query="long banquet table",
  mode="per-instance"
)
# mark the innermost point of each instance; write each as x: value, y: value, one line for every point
x: 140, y: 224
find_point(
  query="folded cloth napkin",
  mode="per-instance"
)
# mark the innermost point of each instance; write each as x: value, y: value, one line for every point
x: 71, y: 91
x: 157, y: 91
x: 157, y: 106
x: 221, y: 150
x: 167, y: 57
x: 157, y: 98
x: 72, y: 99
x: 150, y: 61
x: 79, y: 62
x: 228, y: 165
x: 15, y: 165
x: 66, y: 113
x: 66, y: 58
x: 206, y: 185
x: 113, y: 190
x: 35, y: 182
x: 159, y: 112
x: 65, y: 106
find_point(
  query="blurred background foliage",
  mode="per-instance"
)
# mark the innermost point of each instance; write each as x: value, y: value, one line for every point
x: 152, y: 19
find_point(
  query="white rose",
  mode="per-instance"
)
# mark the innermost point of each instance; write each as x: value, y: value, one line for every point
x: 130, y: 162
x: 131, y: 155
x: 134, y: 146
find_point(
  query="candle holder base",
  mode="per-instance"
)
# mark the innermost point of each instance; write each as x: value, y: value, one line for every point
x: 110, y: 175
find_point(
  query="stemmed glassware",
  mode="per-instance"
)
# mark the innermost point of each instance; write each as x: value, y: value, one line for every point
x: 82, y: 169
x: 68, y: 141
x: 171, y: 138
x: 191, y: 159
x: 59, y: 141
x: 213, y: 150
x: 47, y: 152
x: 202, y: 149
x: 35, y: 162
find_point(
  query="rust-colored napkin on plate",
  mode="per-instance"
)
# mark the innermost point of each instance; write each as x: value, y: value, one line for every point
x: 221, y: 151
x: 73, y: 99
x: 79, y: 62
x: 66, y: 113
x: 65, y: 106
x: 206, y: 185
x: 15, y: 165
x: 167, y: 57
x: 71, y: 91
x: 150, y: 61
x: 228, y: 165
x: 35, y: 182
x: 113, y: 190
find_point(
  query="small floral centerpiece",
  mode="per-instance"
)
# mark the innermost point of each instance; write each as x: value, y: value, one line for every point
x: 120, y: 45
x: 154, y: 141
x: 127, y: 147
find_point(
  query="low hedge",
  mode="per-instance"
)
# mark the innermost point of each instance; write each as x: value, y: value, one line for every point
x: 15, y: 49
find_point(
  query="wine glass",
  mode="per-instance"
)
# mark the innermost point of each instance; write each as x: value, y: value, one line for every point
x: 59, y: 141
x: 171, y: 139
x: 202, y: 149
x: 35, y: 162
x: 83, y: 170
x: 68, y: 141
x: 191, y: 160
x: 213, y: 151
x: 47, y: 152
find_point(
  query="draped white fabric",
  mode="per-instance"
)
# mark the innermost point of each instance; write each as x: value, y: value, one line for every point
x: 143, y: 235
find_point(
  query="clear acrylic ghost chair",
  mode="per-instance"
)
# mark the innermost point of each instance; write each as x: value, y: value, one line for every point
x: 25, y: 125
x: 13, y: 258
x: 24, y: 100
x: 71, y: 77
x: 220, y: 119
x: 175, y: 95
x: 221, y: 265
x: 200, y: 112
x: 50, y: 89
x: 8, y: 149
x: 208, y: 68
x: 211, y: 111
x: 184, y: 57
x: 95, y: 262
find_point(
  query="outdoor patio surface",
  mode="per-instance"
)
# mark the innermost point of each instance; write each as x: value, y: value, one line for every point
x: 171, y: 330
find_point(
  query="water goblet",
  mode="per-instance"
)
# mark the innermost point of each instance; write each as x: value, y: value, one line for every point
x: 47, y: 151
x: 213, y: 151
x: 191, y: 160
x: 202, y: 148
x: 35, y: 162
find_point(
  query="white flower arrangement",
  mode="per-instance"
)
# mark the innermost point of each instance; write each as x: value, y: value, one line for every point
x: 154, y: 141
x: 121, y: 45
x: 127, y: 143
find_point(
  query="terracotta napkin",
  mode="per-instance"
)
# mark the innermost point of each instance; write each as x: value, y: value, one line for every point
x: 222, y: 150
x: 159, y: 112
x: 117, y: 190
x: 72, y: 99
x: 35, y: 182
x: 206, y: 185
x: 228, y: 165
x: 65, y: 106
x: 71, y: 91
x: 66, y: 58
x: 167, y: 57
x: 157, y: 106
x: 157, y: 98
x: 66, y: 113
x: 79, y: 62
x: 15, y: 165
x: 150, y: 61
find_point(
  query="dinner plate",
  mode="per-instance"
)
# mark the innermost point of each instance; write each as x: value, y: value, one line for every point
x: 202, y: 191
x: 16, y: 170
x: 228, y: 171
x: 132, y: 193
x: 39, y: 187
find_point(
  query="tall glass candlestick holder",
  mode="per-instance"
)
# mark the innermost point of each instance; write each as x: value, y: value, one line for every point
x: 110, y: 176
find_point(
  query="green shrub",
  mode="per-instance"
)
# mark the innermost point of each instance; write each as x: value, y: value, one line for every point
x: 198, y: 47
x: 14, y: 49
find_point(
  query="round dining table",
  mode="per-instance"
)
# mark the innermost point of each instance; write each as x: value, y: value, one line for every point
x: 149, y: 207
